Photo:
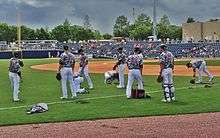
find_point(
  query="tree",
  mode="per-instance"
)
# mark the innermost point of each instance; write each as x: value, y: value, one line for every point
x: 143, y: 19
x: 121, y: 27
x: 141, y: 28
x: 7, y: 33
x: 86, y: 22
x: 140, y: 32
x: 190, y: 20
x: 42, y: 34
x: 62, y: 32
x: 107, y: 36
x: 163, y: 27
x: 175, y: 32
x: 164, y: 20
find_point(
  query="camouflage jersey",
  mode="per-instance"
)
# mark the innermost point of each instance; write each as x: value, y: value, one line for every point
x: 197, y: 63
x: 14, y: 66
x: 67, y: 59
x: 134, y: 62
x: 167, y: 59
x: 83, y: 60
x: 121, y: 58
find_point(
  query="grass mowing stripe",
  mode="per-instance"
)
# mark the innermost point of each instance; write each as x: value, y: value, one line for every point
x: 95, y: 98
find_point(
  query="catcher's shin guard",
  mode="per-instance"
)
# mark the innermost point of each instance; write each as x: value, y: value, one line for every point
x: 166, y: 92
x: 172, y: 91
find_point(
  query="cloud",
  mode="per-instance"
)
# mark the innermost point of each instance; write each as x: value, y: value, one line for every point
x: 32, y: 3
x: 103, y: 13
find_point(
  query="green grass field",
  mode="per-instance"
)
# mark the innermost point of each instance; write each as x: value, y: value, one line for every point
x: 102, y: 102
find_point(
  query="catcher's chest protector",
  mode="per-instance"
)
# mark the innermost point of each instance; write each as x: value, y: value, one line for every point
x: 137, y: 93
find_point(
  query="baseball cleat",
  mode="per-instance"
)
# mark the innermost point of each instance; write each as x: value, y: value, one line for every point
x: 173, y: 99
x: 211, y: 79
x: 120, y: 87
x: 62, y: 98
x: 166, y: 100
x: 74, y: 97
x: 16, y: 100
x: 91, y: 87
x: 198, y: 82
x: 147, y: 96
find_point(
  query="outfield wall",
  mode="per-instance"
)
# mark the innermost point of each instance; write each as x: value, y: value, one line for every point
x: 32, y: 54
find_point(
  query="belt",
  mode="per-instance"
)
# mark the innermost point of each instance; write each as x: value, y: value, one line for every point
x: 135, y: 68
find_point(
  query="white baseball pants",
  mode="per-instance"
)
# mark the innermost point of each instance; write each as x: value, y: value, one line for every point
x: 133, y: 74
x: 121, y: 71
x: 203, y: 69
x: 85, y: 74
x: 15, y: 79
x: 67, y: 75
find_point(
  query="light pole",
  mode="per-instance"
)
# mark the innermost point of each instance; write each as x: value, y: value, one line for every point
x: 155, y: 20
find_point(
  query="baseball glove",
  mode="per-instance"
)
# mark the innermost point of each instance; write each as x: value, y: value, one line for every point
x: 58, y: 76
x: 192, y: 81
x: 21, y: 63
x: 114, y: 68
x: 159, y: 79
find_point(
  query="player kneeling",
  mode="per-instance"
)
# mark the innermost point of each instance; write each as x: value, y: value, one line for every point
x: 77, y: 80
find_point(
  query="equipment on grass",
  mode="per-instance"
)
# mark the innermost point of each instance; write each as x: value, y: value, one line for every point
x: 207, y: 86
x: 58, y: 76
x: 37, y: 108
x: 192, y: 81
x: 139, y: 94
x: 110, y: 76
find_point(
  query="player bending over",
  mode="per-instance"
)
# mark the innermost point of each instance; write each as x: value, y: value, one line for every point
x: 199, y: 64
x: 166, y: 72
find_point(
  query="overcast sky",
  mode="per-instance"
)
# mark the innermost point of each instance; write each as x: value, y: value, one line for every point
x: 48, y: 13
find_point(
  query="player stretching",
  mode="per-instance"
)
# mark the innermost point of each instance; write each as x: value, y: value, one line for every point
x: 14, y: 69
x: 166, y: 72
x: 199, y: 64
x: 121, y: 67
x: 66, y: 68
x: 83, y: 70
x: 134, y: 63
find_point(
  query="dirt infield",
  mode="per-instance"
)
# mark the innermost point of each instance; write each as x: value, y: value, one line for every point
x: 103, y: 66
x: 196, y: 125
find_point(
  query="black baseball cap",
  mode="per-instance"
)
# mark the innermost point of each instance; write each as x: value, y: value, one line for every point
x: 16, y: 54
x: 136, y: 49
x: 66, y: 47
x: 163, y: 46
x: 120, y: 48
x: 80, y: 50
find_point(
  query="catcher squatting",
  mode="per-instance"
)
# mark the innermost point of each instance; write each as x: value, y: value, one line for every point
x: 135, y: 65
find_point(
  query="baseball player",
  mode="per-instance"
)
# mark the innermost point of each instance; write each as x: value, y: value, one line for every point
x: 134, y: 63
x: 199, y: 64
x: 83, y: 68
x: 166, y: 72
x: 121, y: 67
x: 14, y: 69
x: 66, y: 69
x: 77, y: 80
